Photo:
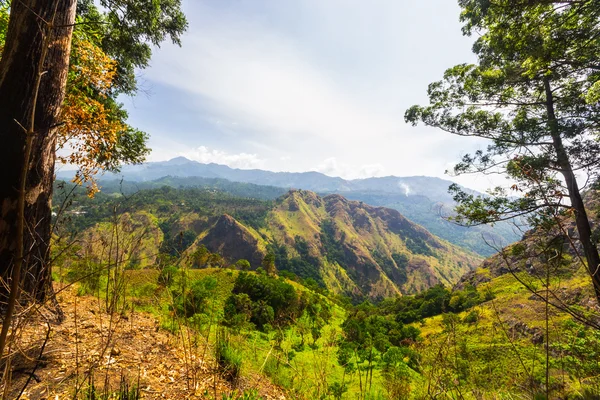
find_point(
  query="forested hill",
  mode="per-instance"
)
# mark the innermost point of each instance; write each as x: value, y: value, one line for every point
x: 424, y: 200
x: 347, y: 247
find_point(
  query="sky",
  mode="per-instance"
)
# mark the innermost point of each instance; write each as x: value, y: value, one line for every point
x: 306, y: 85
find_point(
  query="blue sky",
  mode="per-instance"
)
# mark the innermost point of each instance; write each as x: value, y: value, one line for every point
x: 299, y: 85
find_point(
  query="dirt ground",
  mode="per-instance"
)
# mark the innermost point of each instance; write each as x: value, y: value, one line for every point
x: 90, y: 347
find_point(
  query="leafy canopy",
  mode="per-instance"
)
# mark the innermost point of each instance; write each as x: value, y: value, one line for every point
x: 107, y: 48
x: 532, y: 95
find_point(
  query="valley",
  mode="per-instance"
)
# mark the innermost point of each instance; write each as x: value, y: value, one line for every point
x: 339, y: 299
x: 300, y: 200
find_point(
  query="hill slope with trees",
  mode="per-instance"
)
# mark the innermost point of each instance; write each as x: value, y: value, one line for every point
x: 347, y: 247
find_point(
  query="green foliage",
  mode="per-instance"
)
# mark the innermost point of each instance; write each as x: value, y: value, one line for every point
x: 129, y: 30
x: 264, y: 301
x: 472, y: 317
x: 194, y: 300
x: 228, y: 358
x: 337, y: 390
x: 175, y: 244
x: 305, y: 266
x: 268, y: 263
x: 167, y: 275
x: 334, y: 249
x: 126, y: 390
x: 251, y: 394
x: 396, y: 372
x: 365, y: 328
x: 243, y: 265
x: 273, y: 300
x: 578, y: 351
x: 238, y: 310
x: 89, y: 274
x: 433, y: 301
x: 418, y: 246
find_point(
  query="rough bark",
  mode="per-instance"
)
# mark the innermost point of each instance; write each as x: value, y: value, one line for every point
x: 34, y: 25
x: 582, y: 222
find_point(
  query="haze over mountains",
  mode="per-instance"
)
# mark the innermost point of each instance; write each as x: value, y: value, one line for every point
x: 315, y: 181
x: 424, y: 200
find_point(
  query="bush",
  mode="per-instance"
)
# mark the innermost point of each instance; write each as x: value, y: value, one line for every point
x: 243, y: 265
x: 228, y: 358
x: 272, y: 300
x: 337, y: 390
x: 194, y: 300
x: 145, y: 290
x: 471, y: 317
x: 167, y: 275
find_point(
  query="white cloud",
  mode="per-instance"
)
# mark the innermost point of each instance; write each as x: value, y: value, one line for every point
x: 370, y: 170
x: 242, y: 160
x: 288, y: 86
x: 405, y: 187
x: 332, y: 167
x: 266, y: 85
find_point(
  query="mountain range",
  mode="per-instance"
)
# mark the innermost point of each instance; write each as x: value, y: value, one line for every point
x: 345, y: 246
x: 424, y: 200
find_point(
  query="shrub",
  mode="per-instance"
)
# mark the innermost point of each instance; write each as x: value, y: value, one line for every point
x: 228, y: 358
x: 471, y: 317
x: 167, y: 275
x: 194, y: 300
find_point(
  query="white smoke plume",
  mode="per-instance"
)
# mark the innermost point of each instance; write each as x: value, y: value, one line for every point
x: 404, y: 187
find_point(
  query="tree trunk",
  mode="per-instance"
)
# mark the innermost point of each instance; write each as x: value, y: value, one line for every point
x: 37, y: 49
x: 582, y: 222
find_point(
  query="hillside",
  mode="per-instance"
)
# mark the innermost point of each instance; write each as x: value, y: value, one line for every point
x: 424, y: 200
x: 346, y: 247
x: 287, y: 331
x: 362, y: 249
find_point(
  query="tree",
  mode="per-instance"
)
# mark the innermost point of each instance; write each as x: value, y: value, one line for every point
x: 531, y: 96
x: 93, y: 124
x: 268, y: 263
x: 243, y: 265
x: 33, y: 76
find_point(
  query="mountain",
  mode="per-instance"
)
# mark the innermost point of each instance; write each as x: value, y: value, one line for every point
x: 345, y: 246
x: 183, y: 168
x: 361, y: 249
x: 234, y: 241
x: 424, y: 200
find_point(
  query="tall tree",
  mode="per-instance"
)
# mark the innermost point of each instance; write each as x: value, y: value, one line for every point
x: 34, y: 70
x: 33, y: 75
x: 531, y: 95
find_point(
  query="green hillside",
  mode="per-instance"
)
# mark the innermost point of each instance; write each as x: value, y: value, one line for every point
x: 330, y: 298
x: 346, y: 247
x: 427, y: 201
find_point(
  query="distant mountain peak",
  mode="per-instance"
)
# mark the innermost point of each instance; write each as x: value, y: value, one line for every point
x: 178, y: 161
